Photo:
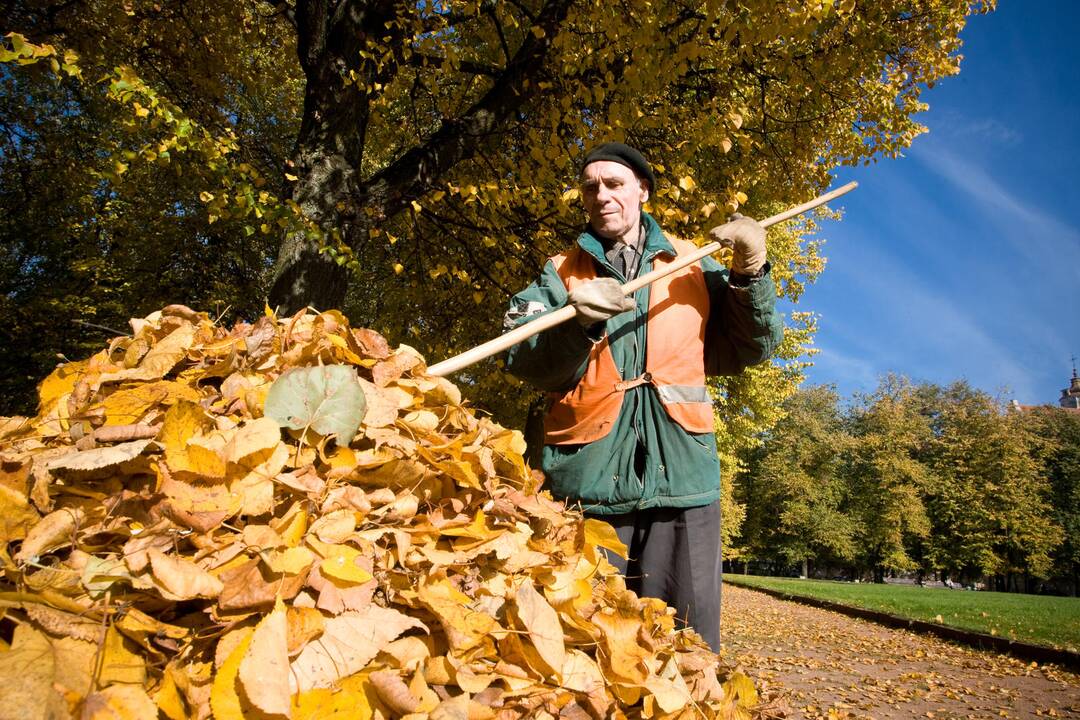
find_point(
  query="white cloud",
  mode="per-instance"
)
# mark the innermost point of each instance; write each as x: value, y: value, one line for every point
x: 896, y: 321
x: 1049, y: 244
x: 985, y: 129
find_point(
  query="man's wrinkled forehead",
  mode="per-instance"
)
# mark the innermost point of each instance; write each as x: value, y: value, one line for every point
x: 605, y: 171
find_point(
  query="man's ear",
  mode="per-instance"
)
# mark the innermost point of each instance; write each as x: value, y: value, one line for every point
x: 644, y: 191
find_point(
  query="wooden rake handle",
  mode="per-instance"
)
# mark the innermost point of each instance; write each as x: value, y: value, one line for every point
x: 558, y: 317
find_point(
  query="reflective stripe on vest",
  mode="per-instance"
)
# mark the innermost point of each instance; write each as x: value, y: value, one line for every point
x: 674, y: 356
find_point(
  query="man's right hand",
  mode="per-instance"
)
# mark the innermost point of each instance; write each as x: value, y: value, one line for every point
x: 599, y: 299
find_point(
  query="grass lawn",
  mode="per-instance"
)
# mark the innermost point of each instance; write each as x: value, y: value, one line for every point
x: 1052, y: 621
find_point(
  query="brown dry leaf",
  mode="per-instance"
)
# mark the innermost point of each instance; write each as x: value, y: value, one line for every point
x: 164, y: 356
x: 264, y: 670
x: 251, y: 585
x: 182, y: 579
x: 465, y: 627
x: 394, y: 367
x: 624, y: 655
x: 304, y: 625
x: 101, y: 457
x: 55, y: 530
x: 348, y: 643
x: 393, y: 691
x: 382, y: 406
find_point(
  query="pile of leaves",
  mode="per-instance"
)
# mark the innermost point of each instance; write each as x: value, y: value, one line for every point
x: 291, y: 519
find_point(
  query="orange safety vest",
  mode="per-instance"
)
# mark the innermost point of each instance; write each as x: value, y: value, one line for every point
x: 674, y: 356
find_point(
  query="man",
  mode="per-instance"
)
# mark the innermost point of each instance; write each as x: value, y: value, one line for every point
x: 629, y: 430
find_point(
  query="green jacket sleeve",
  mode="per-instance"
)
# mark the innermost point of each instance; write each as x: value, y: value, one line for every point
x: 744, y: 328
x: 555, y: 359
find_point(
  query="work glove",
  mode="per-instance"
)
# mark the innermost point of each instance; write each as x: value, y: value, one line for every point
x: 746, y: 238
x: 599, y: 299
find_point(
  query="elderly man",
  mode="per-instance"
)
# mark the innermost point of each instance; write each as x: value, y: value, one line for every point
x: 628, y: 433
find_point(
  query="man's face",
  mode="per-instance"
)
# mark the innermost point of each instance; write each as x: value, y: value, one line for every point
x: 613, y: 195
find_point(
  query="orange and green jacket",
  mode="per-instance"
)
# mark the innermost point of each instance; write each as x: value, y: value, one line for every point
x: 635, y: 448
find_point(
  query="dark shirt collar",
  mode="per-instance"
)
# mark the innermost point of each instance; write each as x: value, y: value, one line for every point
x: 655, y: 241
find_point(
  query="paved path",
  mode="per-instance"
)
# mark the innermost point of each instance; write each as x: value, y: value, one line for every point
x: 821, y: 664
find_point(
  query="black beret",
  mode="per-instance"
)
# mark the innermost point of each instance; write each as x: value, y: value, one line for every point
x: 624, y: 155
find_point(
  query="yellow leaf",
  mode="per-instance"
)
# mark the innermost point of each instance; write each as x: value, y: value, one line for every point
x: 264, y: 670
x: 125, y: 407
x: 290, y: 561
x: 224, y: 701
x: 169, y: 700
x: 340, y: 567
x: 687, y: 183
x: 741, y: 687
x: 542, y: 623
x: 624, y: 656
x: 477, y: 529
x: 36, y: 670
x: 164, y: 356
x: 348, y: 701
x: 183, y: 423
x: 339, y: 562
x: 255, y: 436
x: 53, y: 531
x: 465, y: 627
x: 119, y: 702
x: 16, y: 515
x: 601, y: 534
x: 60, y: 382
x: 206, y: 196
x: 290, y: 177
x: 120, y: 660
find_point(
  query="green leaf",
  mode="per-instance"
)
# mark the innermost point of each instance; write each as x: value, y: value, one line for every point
x: 327, y: 399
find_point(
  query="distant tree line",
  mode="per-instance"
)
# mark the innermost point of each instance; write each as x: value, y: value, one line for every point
x: 916, y: 480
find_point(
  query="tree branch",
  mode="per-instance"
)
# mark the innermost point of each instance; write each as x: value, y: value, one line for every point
x: 414, y: 173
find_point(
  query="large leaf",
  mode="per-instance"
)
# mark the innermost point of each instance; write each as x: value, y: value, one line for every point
x: 327, y: 399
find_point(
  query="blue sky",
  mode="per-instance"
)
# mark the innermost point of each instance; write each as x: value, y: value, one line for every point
x: 961, y: 260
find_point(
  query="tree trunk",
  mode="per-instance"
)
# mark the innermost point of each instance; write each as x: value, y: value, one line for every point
x: 330, y: 190
x: 329, y: 149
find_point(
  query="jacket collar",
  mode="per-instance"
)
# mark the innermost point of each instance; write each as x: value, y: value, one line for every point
x: 655, y: 242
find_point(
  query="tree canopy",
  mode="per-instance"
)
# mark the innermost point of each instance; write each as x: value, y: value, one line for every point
x: 918, y: 479
x: 414, y: 163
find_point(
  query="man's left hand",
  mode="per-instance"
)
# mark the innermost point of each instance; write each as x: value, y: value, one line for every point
x: 746, y: 238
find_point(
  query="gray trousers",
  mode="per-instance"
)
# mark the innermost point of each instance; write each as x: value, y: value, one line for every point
x: 675, y: 556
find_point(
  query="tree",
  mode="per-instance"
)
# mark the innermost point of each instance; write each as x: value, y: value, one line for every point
x: 1058, y: 453
x: 990, y: 502
x: 410, y: 162
x: 886, y: 479
x: 792, y: 488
